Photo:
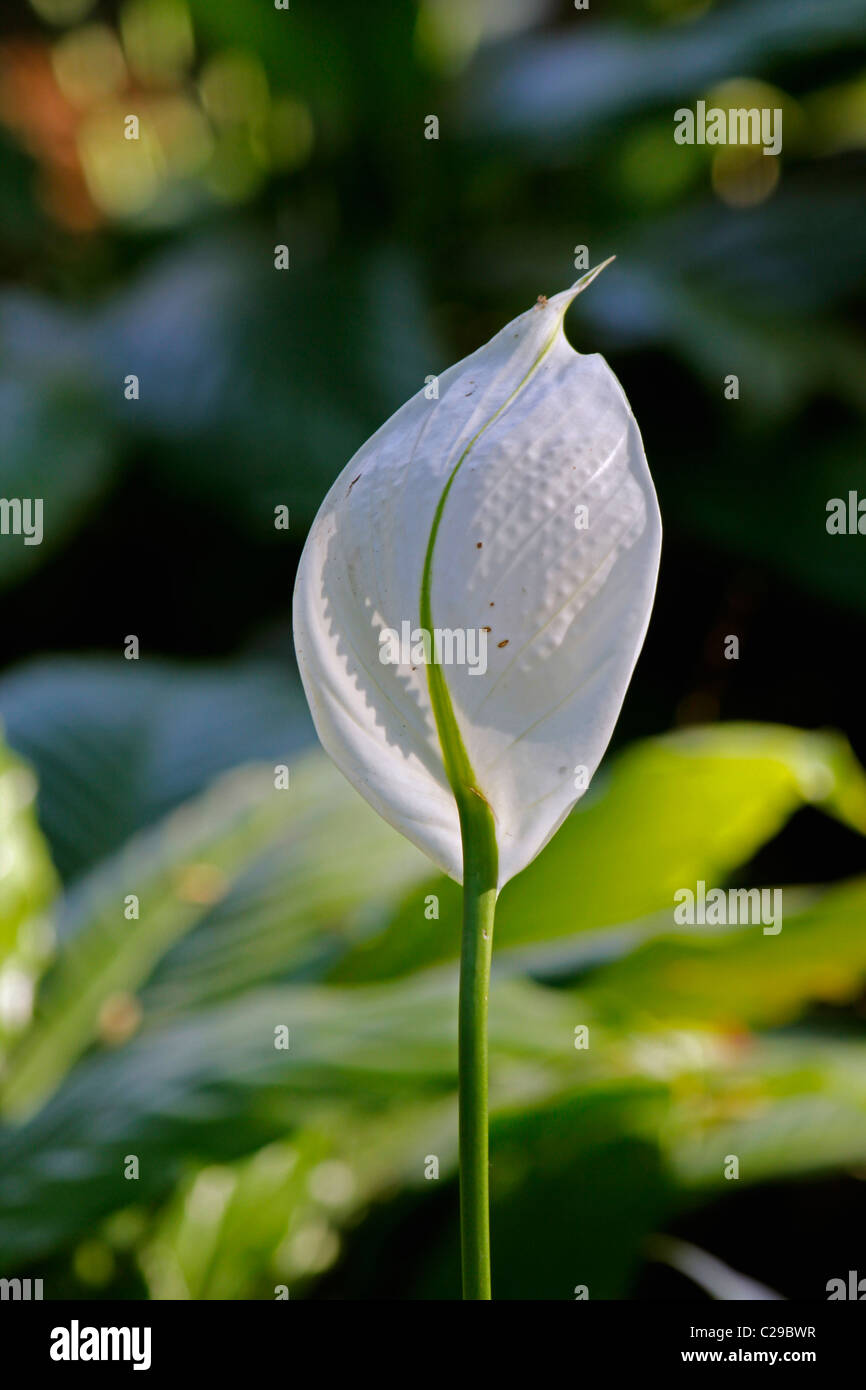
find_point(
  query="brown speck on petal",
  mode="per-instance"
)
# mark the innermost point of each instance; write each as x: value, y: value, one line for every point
x: 478, y: 545
x: 503, y: 644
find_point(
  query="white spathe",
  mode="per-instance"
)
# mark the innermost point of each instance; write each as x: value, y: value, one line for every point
x: 535, y: 431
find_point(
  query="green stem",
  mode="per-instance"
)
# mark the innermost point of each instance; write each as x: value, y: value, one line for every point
x: 480, y: 874
x: 479, y: 905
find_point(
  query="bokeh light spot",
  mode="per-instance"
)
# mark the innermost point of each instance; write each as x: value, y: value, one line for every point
x: 89, y: 65
x: 123, y: 176
x: 234, y: 89
x: 62, y: 11
x: 158, y: 39
x: 744, y: 176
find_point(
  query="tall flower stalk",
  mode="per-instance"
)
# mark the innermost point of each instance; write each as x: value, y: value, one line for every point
x: 476, y: 949
x: 480, y: 875
x: 506, y: 520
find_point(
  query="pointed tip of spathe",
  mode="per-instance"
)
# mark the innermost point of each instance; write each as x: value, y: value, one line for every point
x: 589, y: 276
x: 562, y: 300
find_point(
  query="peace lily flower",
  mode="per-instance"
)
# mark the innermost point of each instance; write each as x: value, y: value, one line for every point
x: 469, y: 607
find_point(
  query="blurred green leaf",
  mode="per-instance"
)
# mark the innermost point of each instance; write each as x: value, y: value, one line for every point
x: 178, y: 872
x: 238, y: 1230
x: 791, y: 1105
x: 324, y: 55
x: 55, y: 448
x: 736, y: 977
x: 693, y: 805
x: 179, y: 1091
x: 287, y: 371
x: 27, y: 886
x: 116, y: 744
x: 551, y: 88
x: 26, y: 876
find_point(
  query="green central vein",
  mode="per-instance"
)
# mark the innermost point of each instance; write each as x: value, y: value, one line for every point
x: 458, y: 768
